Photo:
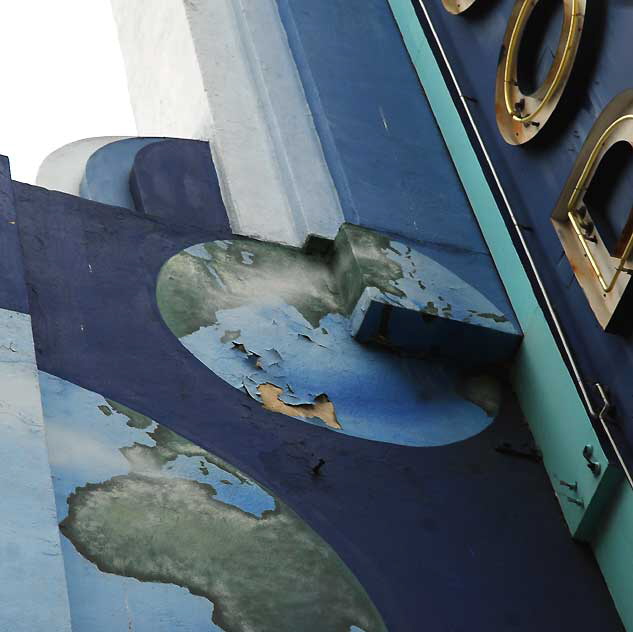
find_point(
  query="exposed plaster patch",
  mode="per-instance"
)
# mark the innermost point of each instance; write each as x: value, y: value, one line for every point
x: 322, y: 408
x: 377, y: 394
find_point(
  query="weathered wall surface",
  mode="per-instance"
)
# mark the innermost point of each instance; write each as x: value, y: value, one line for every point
x: 532, y: 177
x: 173, y: 352
x: 164, y: 79
x: 269, y: 97
x: 384, y: 149
x: 414, y: 525
x: 33, y: 595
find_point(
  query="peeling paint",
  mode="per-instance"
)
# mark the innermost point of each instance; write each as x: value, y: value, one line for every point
x: 377, y: 394
x: 322, y: 408
x: 272, y: 316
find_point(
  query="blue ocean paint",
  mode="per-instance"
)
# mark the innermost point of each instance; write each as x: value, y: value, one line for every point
x: 377, y: 395
x: 84, y: 445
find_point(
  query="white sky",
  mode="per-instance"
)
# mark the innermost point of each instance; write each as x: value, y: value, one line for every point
x: 61, y: 79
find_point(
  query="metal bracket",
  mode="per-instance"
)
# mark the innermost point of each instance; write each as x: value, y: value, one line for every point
x: 594, y: 466
x: 606, y: 412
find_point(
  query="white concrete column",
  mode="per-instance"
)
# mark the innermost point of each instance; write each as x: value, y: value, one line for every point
x: 223, y: 70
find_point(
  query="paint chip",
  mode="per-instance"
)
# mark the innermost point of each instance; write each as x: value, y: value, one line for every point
x: 322, y: 408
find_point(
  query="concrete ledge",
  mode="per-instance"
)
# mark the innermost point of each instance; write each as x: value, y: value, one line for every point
x: 403, y: 298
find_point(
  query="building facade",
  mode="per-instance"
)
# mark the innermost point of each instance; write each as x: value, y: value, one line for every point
x: 337, y: 342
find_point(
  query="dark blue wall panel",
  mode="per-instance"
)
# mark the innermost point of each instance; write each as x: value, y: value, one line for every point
x: 13, y: 294
x: 460, y: 537
x: 387, y: 156
x: 188, y: 196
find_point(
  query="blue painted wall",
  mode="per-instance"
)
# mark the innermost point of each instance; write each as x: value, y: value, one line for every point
x: 13, y: 293
x: 192, y: 186
x: 460, y: 536
x: 387, y: 156
x: 107, y: 173
x: 465, y: 536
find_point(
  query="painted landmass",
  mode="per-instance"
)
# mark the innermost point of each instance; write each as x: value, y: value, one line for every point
x: 275, y: 323
x: 182, y: 516
x: 269, y: 574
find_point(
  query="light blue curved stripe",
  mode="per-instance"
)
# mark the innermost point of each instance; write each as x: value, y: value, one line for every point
x: 107, y: 175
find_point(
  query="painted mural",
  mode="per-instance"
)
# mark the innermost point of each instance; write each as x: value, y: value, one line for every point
x: 277, y: 323
x: 160, y: 534
x: 312, y: 439
x: 247, y: 436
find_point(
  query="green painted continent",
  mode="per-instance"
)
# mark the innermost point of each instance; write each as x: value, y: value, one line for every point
x: 268, y: 574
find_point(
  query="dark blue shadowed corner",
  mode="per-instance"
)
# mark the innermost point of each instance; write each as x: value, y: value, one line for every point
x: 13, y: 294
x: 186, y: 197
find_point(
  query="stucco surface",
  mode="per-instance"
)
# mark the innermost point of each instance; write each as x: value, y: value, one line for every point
x: 33, y: 595
x: 63, y: 170
x: 400, y: 517
x: 160, y: 534
x: 231, y: 60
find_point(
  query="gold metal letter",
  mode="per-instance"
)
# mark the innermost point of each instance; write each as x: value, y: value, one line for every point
x: 457, y: 6
x: 520, y: 116
x: 603, y: 275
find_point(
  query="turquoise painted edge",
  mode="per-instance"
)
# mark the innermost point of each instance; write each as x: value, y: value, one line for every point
x: 547, y: 394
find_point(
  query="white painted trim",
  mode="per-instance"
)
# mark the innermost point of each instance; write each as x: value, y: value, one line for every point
x: 64, y: 169
x: 34, y: 593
